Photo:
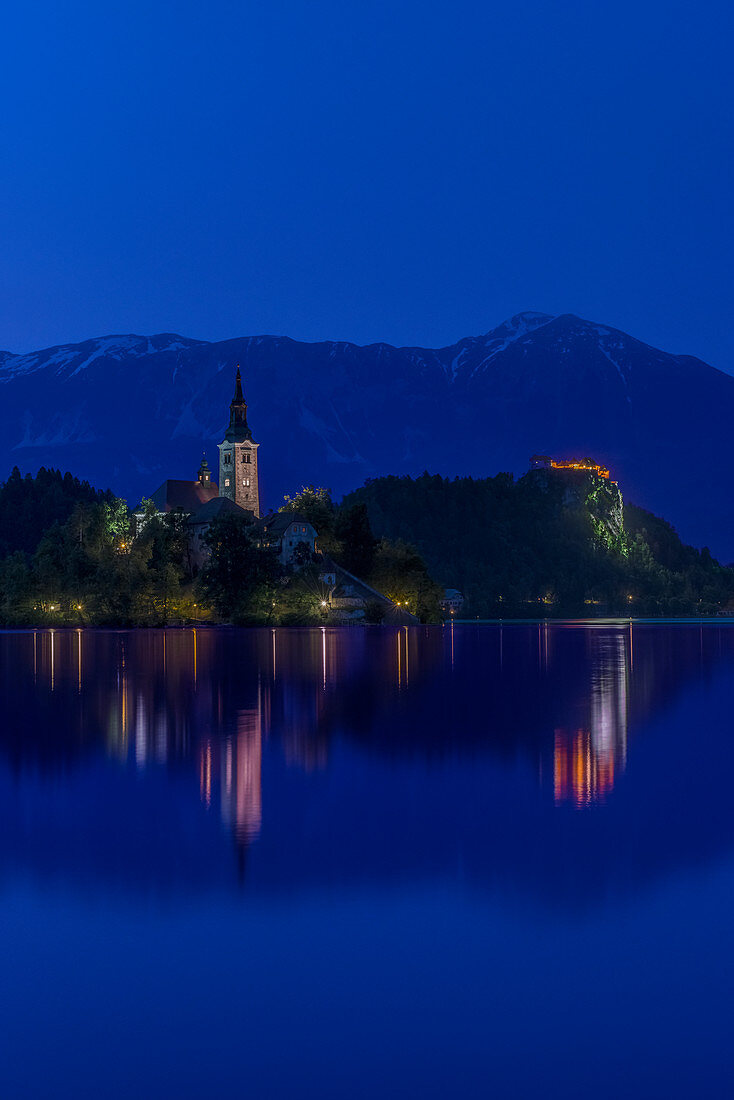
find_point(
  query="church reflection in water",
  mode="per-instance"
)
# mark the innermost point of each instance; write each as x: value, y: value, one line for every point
x: 528, y: 755
x: 234, y: 766
x: 211, y: 697
x: 214, y: 706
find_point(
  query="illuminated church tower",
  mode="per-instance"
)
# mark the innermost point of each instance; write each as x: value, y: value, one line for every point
x: 238, y: 456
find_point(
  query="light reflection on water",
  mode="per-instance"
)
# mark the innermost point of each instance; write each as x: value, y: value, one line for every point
x: 586, y: 760
x: 564, y: 774
x: 560, y: 698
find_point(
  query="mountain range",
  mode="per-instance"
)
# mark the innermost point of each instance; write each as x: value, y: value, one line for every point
x: 126, y: 412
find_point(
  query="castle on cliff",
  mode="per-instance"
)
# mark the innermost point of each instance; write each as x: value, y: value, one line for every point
x: 545, y: 462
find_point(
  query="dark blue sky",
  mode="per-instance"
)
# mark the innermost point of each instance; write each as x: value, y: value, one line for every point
x: 405, y: 171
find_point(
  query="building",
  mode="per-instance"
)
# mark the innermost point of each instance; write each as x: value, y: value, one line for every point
x: 185, y: 496
x: 545, y: 462
x: 349, y: 598
x: 198, y: 524
x: 238, y: 479
x: 452, y: 600
x: 202, y: 500
x: 290, y: 535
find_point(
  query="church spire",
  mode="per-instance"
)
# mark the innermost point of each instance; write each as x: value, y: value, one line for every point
x: 238, y: 480
x: 238, y: 398
x: 238, y: 430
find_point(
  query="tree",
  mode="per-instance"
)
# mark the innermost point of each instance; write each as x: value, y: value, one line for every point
x: 236, y: 567
x: 316, y: 506
x: 167, y: 561
x: 302, y: 555
x: 15, y: 589
x: 299, y: 602
x: 30, y: 505
x: 506, y: 545
x: 352, y: 529
x: 400, y: 572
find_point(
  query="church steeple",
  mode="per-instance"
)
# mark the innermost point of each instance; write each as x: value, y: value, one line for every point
x: 238, y: 430
x: 205, y: 474
x: 238, y: 478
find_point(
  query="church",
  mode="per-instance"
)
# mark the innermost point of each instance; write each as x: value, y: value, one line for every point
x: 238, y: 480
x: 238, y: 493
x: 287, y: 535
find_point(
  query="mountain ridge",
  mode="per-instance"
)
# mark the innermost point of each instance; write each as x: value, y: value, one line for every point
x: 177, y: 340
x: 127, y: 411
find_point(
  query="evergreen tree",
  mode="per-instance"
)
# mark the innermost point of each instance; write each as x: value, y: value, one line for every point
x: 236, y: 567
x: 358, y: 544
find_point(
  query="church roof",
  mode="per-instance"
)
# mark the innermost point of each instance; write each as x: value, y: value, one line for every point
x: 218, y: 506
x: 277, y: 523
x: 186, y: 495
x: 348, y: 587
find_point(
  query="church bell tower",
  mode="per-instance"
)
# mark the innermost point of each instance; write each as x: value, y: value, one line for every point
x: 238, y: 456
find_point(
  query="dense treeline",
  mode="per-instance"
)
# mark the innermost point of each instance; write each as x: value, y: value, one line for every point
x: 523, y: 548
x: 82, y: 558
x: 70, y: 554
x: 30, y: 505
x: 92, y: 569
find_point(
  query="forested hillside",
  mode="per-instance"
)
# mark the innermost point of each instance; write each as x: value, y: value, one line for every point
x: 545, y: 545
x: 30, y: 505
x: 70, y: 555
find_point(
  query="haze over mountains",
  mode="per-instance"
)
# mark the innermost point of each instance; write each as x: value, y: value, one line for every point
x: 128, y: 411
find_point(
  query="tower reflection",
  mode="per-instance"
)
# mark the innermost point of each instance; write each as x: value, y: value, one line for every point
x: 237, y: 760
x: 334, y: 755
x: 211, y: 705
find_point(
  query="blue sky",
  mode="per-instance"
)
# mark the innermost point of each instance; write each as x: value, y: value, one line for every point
x: 405, y: 171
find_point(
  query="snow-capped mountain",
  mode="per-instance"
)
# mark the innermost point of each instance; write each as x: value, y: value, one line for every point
x: 128, y: 411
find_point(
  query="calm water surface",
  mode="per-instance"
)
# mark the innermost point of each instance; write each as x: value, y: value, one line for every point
x: 433, y: 862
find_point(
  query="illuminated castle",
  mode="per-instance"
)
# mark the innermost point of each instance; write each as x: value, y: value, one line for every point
x: 545, y: 462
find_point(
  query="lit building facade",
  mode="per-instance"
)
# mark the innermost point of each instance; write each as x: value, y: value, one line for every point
x: 545, y: 462
x: 238, y: 478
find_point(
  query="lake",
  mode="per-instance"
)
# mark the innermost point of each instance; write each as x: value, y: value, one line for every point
x: 462, y: 861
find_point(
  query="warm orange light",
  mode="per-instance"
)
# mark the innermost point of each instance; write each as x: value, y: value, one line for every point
x: 580, y: 775
x: 576, y: 464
